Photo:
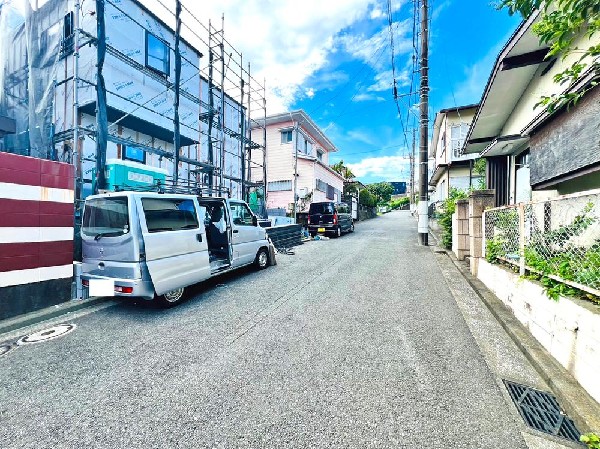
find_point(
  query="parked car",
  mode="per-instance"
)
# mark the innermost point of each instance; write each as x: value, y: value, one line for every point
x: 329, y: 217
x: 153, y: 246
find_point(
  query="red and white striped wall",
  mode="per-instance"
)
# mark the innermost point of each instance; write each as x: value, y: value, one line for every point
x: 36, y: 221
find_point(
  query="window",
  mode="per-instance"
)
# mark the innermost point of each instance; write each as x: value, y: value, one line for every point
x: 522, y: 160
x: 458, y: 133
x: 321, y: 185
x: 279, y: 186
x: 321, y: 208
x: 286, y: 136
x: 134, y: 154
x: 169, y: 214
x: 320, y: 155
x: 157, y: 54
x: 105, y: 217
x: 241, y: 214
x: 67, y: 42
x: 343, y: 208
x: 330, y: 195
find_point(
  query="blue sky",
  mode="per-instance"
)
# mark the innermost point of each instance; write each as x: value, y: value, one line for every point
x: 333, y: 59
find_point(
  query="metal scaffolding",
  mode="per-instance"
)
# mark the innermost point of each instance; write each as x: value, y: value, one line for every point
x: 92, y: 90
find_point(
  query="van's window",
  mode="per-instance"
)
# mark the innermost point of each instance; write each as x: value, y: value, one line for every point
x: 342, y: 208
x: 321, y: 208
x: 166, y: 214
x: 105, y: 217
x: 241, y: 214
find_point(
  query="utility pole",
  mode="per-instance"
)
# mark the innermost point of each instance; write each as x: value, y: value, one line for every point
x: 423, y: 224
x: 412, y: 169
x: 295, y: 138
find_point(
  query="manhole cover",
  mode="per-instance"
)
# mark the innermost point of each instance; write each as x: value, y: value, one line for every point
x: 541, y: 411
x: 4, y: 349
x: 46, y: 334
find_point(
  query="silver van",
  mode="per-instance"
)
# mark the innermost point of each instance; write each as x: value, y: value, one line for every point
x: 153, y: 245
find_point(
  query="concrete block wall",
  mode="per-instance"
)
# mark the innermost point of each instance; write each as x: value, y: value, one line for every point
x: 479, y: 201
x: 569, y: 328
x: 462, y: 241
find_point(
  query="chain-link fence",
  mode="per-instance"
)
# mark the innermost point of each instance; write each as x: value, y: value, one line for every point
x: 559, y: 238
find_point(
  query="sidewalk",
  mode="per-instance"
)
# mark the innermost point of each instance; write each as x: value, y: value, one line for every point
x: 64, y: 309
x: 496, y: 329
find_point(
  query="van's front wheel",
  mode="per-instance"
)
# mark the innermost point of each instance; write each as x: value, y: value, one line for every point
x: 169, y: 299
x: 262, y: 259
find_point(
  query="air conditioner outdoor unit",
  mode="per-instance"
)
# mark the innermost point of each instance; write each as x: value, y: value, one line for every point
x: 302, y: 193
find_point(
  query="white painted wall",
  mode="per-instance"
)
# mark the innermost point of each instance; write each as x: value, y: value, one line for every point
x: 569, y: 328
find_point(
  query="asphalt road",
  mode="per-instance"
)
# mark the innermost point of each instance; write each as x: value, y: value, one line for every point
x: 353, y: 342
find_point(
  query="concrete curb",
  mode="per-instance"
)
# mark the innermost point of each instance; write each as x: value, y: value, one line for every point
x: 28, y: 319
x: 576, y: 401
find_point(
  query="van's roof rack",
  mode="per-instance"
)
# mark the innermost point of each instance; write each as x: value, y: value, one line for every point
x: 182, y: 186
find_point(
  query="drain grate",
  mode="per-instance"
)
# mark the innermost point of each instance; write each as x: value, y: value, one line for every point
x: 541, y: 411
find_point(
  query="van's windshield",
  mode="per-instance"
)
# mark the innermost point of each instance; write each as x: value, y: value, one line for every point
x: 105, y: 217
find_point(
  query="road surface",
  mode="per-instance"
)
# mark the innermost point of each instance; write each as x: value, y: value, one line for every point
x: 354, y: 342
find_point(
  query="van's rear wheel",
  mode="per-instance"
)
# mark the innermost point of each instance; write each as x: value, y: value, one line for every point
x: 169, y: 299
x: 262, y: 259
x: 338, y: 231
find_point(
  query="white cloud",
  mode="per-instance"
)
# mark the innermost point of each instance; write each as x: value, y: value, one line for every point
x: 285, y: 42
x: 376, y: 13
x: 374, y: 51
x: 367, y: 97
x: 384, y: 168
x: 361, y: 136
x: 310, y: 92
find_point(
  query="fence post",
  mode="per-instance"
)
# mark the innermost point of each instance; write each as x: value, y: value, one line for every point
x: 460, y: 233
x: 479, y: 200
x: 521, y: 209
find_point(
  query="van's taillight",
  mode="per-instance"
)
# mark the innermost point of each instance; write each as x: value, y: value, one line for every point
x: 119, y: 289
x: 85, y: 282
x: 309, y: 219
x: 335, y: 218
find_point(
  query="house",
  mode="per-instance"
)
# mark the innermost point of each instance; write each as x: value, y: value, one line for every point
x: 49, y: 87
x: 451, y: 169
x: 530, y: 153
x: 297, y: 149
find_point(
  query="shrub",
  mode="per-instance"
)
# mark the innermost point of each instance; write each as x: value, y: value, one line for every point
x: 445, y: 217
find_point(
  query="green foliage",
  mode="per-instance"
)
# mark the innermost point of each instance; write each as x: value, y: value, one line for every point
x: 445, y: 217
x: 562, y: 22
x: 479, y: 169
x: 366, y: 198
x: 592, y: 440
x: 343, y: 170
x: 400, y: 202
x: 382, y: 191
x: 550, y: 254
x: 494, y: 249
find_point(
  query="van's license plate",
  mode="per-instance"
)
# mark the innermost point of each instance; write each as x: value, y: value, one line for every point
x: 321, y: 230
x: 102, y: 287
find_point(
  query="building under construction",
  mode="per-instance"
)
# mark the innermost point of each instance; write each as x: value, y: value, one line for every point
x: 132, y: 93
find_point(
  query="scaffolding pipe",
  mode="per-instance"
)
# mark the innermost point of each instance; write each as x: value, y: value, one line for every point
x: 101, y: 114
x: 76, y: 159
x: 176, y: 130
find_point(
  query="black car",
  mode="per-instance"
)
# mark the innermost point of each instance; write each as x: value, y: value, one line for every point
x: 329, y: 217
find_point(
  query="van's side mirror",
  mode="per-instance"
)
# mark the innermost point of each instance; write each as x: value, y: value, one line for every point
x: 254, y: 220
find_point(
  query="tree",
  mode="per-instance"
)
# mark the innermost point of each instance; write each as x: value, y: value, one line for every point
x: 561, y: 24
x: 343, y: 170
x: 382, y: 191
